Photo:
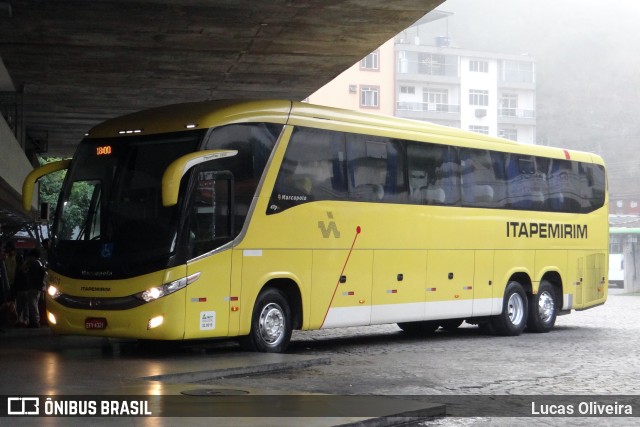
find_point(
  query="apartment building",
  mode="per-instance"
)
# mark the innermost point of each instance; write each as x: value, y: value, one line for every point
x: 488, y: 93
x: 430, y: 80
x: 366, y: 86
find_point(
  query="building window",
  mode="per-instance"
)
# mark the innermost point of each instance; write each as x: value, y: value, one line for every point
x: 479, y: 66
x: 479, y: 129
x: 517, y: 71
x: 408, y: 89
x: 371, y: 61
x: 478, y: 97
x: 615, y: 247
x: 511, y: 134
x: 435, y: 99
x: 431, y: 64
x: 508, y: 105
x: 370, y: 96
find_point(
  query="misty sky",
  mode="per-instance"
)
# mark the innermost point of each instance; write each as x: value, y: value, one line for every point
x: 587, y: 56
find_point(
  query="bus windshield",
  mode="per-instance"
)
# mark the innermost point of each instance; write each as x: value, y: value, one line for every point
x: 110, y: 221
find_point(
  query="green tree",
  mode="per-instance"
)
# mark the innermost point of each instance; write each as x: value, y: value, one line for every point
x: 78, y: 204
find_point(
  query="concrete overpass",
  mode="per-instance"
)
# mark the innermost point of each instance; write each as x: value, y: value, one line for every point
x: 65, y: 66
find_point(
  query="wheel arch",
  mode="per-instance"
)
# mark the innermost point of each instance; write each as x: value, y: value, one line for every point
x: 554, y: 278
x: 524, y: 279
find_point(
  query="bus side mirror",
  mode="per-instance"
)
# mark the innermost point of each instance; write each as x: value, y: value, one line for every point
x: 30, y: 181
x: 176, y: 170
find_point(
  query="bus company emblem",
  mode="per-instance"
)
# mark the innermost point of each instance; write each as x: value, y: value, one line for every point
x: 332, y: 228
x: 547, y: 230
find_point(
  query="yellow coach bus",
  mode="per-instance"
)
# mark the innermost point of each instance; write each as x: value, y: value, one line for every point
x: 254, y: 218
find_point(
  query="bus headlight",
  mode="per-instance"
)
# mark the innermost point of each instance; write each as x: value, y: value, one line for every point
x: 53, y: 292
x: 153, y: 294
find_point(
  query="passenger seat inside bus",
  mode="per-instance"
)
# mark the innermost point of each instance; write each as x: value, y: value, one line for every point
x: 369, y: 176
x: 482, y: 193
x: 421, y: 192
x: 431, y: 196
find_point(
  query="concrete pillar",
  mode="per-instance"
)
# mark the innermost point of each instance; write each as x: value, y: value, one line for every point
x: 14, y: 166
x: 631, y: 264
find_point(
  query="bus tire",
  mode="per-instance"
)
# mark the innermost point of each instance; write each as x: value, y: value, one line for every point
x: 513, y: 319
x: 270, y: 323
x: 425, y: 327
x: 486, y: 328
x: 543, y: 309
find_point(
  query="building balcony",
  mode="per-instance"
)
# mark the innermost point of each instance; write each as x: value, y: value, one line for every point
x: 516, y: 116
x: 417, y: 77
x: 427, y: 111
x: 525, y: 83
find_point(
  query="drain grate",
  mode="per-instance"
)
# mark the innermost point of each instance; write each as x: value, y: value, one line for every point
x: 214, y: 392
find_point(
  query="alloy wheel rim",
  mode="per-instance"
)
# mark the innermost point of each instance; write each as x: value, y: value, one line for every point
x: 271, y: 323
x: 546, y: 306
x: 515, y: 309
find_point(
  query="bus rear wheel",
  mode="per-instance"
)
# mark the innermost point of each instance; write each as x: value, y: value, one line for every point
x: 513, y: 319
x: 542, y: 309
x: 270, y: 323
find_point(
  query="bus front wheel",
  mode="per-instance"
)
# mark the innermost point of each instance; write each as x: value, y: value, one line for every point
x: 513, y: 319
x: 542, y: 309
x: 270, y: 323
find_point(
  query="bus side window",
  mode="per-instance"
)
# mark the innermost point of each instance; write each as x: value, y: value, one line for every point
x: 563, y: 190
x: 312, y: 169
x: 422, y: 181
x: 450, y: 176
x: 254, y: 143
x: 438, y: 166
x: 376, y: 169
x: 368, y: 178
x: 526, y: 186
x: 418, y: 164
x: 596, y: 186
x: 477, y: 178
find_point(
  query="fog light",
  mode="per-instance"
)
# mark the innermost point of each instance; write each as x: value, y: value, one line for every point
x: 155, y: 322
x: 51, y: 318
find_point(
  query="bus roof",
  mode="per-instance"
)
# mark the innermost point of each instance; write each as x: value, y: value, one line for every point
x: 207, y: 114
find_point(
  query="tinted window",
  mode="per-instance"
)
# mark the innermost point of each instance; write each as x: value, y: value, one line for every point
x: 326, y: 165
x: 313, y: 169
x: 526, y: 183
x: 211, y: 223
x: 110, y: 214
x: 482, y: 178
x: 375, y: 169
x: 254, y: 143
x: 434, y: 176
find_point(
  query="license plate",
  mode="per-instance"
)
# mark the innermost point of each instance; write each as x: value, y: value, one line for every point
x: 95, y: 323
